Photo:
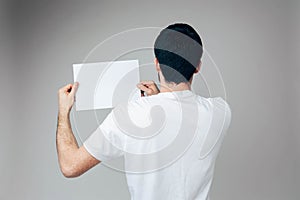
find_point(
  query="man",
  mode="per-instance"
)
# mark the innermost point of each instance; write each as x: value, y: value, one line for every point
x: 181, y: 131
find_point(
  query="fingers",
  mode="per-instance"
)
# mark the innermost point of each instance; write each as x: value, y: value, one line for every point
x: 149, y: 87
x: 150, y: 84
x: 74, y: 88
x: 147, y: 83
x: 69, y: 89
x: 144, y: 88
x: 65, y: 89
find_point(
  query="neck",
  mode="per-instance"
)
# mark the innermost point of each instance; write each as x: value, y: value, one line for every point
x: 171, y: 87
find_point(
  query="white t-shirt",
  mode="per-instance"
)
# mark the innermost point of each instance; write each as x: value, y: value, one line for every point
x: 169, y: 142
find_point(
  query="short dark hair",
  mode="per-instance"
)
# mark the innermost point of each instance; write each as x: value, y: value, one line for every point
x: 178, y: 49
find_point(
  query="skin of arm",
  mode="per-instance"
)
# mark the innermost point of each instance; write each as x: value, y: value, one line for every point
x: 73, y: 160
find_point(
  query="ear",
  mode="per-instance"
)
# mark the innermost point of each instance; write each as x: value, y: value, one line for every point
x: 198, y: 68
x: 157, y: 67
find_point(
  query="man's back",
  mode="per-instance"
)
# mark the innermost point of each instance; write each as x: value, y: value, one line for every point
x: 185, y: 170
x: 176, y: 160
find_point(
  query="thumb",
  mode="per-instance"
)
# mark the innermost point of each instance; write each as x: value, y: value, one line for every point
x: 74, y: 88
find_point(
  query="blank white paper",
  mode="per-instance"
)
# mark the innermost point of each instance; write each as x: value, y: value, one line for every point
x: 106, y: 84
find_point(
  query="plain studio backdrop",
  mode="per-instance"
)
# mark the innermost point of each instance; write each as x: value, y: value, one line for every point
x: 255, y: 45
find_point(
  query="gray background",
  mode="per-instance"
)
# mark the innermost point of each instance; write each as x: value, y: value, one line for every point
x: 254, y: 43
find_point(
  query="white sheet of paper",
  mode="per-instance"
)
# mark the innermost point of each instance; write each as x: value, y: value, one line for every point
x: 106, y: 84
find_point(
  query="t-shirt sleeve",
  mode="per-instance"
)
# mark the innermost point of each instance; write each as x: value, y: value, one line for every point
x: 106, y: 142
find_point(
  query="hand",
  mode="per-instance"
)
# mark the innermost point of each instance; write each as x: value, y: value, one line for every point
x: 149, y: 87
x: 66, y: 97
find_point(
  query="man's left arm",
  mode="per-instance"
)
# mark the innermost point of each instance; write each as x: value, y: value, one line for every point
x: 73, y: 160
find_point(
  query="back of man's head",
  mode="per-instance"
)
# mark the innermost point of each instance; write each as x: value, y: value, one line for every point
x: 178, y: 49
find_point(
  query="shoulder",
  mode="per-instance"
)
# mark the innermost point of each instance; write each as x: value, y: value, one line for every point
x: 140, y: 104
x: 216, y: 106
x: 136, y: 111
x: 220, y: 102
x: 215, y: 102
x: 222, y: 108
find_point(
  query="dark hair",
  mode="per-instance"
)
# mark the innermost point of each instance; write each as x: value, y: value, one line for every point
x: 178, y: 49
